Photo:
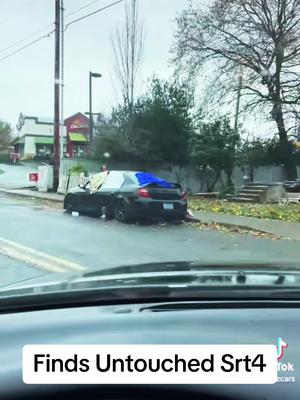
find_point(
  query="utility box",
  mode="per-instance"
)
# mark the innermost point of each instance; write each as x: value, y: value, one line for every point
x: 45, y: 181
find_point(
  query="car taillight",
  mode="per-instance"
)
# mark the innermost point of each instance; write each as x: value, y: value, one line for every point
x: 143, y: 193
x: 184, y: 196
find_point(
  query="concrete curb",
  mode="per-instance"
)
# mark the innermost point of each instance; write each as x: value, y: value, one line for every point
x: 35, y: 195
x: 276, y: 228
x: 232, y: 226
x: 191, y: 218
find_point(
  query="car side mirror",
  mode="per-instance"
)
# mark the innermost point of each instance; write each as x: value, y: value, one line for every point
x: 83, y: 186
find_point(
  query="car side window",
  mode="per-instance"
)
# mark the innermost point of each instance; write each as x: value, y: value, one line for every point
x: 114, y: 181
x: 130, y: 180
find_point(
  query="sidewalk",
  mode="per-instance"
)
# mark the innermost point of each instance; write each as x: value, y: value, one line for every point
x: 34, y: 194
x: 289, y: 230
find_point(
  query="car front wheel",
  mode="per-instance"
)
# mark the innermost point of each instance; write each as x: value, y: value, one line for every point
x: 68, y: 204
x: 107, y: 213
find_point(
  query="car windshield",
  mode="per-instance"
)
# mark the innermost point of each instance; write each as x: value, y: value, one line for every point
x: 149, y: 144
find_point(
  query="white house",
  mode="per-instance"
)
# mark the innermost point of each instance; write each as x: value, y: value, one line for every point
x: 35, y: 137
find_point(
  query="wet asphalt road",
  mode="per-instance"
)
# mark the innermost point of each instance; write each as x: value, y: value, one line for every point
x: 12, y: 271
x: 97, y: 244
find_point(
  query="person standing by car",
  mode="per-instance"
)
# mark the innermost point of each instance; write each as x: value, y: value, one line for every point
x: 246, y: 179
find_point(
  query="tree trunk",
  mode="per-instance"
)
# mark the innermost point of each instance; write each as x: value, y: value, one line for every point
x: 210, y: 187
x: 229, y: 172
x: 251, y: 173
x: 275, y: 91
x: 202, y: 179
x: 179, y: 176
x: 288, y: 158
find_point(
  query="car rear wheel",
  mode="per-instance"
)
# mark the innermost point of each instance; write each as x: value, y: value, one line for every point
x: 121, y: 212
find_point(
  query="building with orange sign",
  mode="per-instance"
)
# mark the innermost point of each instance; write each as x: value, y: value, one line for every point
x: 77, y: 128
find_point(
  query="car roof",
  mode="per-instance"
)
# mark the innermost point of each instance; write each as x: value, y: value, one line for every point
x: 128, y: 173
x: 124, y: 171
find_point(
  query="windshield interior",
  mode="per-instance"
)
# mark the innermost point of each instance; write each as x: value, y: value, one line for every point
x: 163, y: 152
x: 150, y: 195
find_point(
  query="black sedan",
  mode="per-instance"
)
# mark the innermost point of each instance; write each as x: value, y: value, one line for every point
x: 122, y: 196
x: 292, y: 186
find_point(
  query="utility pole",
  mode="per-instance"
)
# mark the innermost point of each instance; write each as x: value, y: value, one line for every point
x: 91, y: 108
x: 62, y: 121
x: 57, y: 83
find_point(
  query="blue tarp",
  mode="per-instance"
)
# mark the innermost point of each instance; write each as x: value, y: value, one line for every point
x: 146, y: 179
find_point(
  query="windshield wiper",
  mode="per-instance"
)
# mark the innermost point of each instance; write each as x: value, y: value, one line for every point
x: 206, y: 298
x: 210, y: 280
x: 169, y: 282
x: 181, y: 266
x: 184, y: 275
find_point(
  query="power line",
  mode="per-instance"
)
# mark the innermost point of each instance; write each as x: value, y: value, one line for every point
x: 27, y: 45
x: 49, y: 26
x: 51, y: 32
x: 18, y: 11
x: 92, y: 13
x: 42, y: 29
x: 26, y: 38
x: 82, y: 8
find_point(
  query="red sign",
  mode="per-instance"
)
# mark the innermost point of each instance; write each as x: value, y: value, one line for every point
x: 33, y: 176
x: 79, y: 123
x: 14, y: 155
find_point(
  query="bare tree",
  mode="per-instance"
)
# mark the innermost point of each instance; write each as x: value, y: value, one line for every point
x: 128, y: 45
x: 260, y: 36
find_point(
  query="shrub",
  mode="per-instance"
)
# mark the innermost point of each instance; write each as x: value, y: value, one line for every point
x: 77, y: 169
x: 225, y: 191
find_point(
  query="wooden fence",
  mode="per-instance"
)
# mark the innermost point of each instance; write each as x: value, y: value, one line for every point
x: 70, y: 180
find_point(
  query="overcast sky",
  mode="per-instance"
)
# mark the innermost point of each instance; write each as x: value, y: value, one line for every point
x: 26, y: 79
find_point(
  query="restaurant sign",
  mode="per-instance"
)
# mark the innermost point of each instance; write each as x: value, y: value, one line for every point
x: 79, y: 123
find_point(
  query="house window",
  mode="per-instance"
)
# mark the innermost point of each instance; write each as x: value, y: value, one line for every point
x: 44, y: 150
x: 79, y: 150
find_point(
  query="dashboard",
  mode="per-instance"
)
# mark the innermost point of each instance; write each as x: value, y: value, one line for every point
x: 163, y: 323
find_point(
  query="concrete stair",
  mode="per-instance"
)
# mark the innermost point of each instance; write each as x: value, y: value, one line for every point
x: 251, y: 193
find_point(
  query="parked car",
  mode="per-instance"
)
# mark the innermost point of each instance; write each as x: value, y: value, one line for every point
x: 128, y: 196
x: 292, y: 186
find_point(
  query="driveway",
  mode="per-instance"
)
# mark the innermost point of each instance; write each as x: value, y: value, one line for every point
x: 16, y: 176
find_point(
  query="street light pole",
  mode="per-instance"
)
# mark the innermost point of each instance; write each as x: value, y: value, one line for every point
x: 91, y: 76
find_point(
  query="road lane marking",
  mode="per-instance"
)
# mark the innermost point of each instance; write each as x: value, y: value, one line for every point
x: 37, y: 258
